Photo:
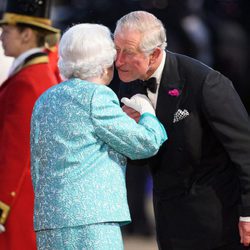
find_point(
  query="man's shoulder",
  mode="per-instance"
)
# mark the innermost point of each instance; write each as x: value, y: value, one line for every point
x: 186, y: 60
x: 186, y: 66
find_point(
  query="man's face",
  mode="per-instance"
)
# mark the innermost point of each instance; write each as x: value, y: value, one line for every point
x: 131, y: 62
x: 12, y: 41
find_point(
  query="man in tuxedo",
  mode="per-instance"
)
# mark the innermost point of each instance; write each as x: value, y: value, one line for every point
x: 201, y: 175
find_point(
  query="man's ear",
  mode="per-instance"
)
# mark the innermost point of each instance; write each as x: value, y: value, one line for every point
x: 155, y: 55
x: 27, y: 34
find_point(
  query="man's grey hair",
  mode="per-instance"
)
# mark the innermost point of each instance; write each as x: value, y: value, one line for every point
x: 85, y: 51
x: 152, y: 29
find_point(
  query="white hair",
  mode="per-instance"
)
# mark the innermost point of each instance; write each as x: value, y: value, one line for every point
x: 151, y: 28
x: 85, y: 51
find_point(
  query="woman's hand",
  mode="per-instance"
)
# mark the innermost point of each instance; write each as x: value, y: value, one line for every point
x: 140, y: 103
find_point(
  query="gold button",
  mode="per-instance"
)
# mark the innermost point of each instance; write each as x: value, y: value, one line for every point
x: 13, y: 194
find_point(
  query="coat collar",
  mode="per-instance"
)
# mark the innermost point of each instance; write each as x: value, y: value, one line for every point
x: 37, y: 58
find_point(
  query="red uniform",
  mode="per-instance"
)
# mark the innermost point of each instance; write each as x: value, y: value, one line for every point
x: 17, y: 98
x: 53, y: 60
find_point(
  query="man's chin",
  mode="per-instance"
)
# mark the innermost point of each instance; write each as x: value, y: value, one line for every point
x: 125, y: 78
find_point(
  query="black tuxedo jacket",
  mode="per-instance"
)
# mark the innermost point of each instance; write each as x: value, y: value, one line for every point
x: 201, y: 174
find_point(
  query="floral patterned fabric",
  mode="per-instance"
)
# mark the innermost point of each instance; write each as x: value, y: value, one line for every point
x: 101, y: 236
x: 79, y: 139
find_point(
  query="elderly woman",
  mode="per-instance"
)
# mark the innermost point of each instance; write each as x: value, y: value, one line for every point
x: 80, y: 139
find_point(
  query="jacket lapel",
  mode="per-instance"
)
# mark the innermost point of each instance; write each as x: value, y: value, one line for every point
x: 168, y: 104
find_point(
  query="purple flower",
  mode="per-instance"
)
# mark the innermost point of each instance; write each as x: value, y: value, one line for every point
x: 174, y: 92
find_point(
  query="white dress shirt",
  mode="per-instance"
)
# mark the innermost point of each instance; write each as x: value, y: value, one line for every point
x: 157, y: 74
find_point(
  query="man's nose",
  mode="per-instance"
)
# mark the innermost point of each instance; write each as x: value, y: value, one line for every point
x: 119, y: 59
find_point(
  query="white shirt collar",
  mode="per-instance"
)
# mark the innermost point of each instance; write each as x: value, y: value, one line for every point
x: 20, y: 59
x: 158, y: 73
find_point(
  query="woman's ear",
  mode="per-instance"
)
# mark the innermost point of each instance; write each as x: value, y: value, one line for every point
x: 108, y: 74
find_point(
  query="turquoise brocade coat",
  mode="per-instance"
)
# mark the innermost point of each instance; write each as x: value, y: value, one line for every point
x: 80, y: 138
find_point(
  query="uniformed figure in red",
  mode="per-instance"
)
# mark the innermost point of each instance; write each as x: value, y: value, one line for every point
x: 51, y: 48
x: 25, y: 25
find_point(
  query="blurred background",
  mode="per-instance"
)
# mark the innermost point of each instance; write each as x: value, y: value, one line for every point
x: 216, y: 32
x: 213, y: 31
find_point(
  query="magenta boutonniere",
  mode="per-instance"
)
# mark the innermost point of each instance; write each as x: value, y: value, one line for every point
x: 174, y: 92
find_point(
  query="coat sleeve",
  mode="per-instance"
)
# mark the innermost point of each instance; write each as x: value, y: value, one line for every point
x: 230, y: 122
x: 123, y: 134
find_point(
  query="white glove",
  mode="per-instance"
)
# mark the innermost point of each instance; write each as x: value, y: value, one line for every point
x: 2, y: 228
x: 140, y: 103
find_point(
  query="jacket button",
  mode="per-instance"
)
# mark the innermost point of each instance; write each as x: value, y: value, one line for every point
x: 13, y: 194
x: 123, y: 162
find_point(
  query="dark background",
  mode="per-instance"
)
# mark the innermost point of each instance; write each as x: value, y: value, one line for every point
x: 217, y: 32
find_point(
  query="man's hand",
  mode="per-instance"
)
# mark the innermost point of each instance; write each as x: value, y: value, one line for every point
x: 244, y: 228
x: 131, y: 113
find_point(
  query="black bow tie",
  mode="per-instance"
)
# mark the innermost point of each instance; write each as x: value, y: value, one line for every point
x: 150, y: 84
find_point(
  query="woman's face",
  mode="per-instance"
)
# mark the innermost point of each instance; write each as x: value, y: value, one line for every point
x: 109, y: 75
x: 12, y: 40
